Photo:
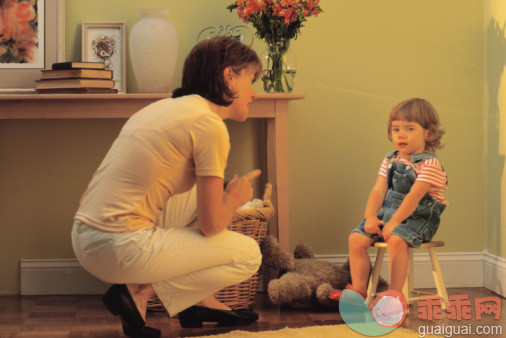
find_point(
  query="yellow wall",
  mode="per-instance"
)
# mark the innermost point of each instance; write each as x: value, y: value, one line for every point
x: 355, y: 61
x: 496, y: 127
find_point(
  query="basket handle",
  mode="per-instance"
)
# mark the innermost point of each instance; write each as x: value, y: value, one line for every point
x: 264, y: 213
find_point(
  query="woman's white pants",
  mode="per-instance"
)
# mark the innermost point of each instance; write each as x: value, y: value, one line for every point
x: 183, y: 266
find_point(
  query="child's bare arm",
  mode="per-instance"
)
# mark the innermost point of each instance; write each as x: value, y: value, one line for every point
x: 374, y: 203
x: 407, y: 207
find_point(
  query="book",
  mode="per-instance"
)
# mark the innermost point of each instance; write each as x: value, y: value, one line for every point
x: 77, y: 91
x: 77, y: 73
x: 78, y: 64
x: 74, y: 83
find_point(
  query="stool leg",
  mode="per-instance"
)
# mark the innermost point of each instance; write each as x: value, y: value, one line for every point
x: 407, y: 289
x: 438, y: 278
x: 375, y: 274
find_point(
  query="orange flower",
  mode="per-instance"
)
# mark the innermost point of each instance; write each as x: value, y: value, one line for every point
x: 26, y: 48
x: 25, y: 11
x: 15, y: 17
x: 17, y: 37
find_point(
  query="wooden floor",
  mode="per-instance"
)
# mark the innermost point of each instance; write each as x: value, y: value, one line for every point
x: 85, y: 316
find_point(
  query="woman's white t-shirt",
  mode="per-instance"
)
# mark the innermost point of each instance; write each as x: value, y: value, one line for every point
x: 158, y: 153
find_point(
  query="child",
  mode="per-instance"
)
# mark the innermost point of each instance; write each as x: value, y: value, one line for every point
x: 407, y: 199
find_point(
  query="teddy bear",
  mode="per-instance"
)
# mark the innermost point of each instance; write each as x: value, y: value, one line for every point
x: 305, y: 282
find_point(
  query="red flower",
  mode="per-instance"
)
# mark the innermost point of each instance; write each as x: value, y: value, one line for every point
x: 26, y: 48
x: 15, y: 17
x: 17, y: 36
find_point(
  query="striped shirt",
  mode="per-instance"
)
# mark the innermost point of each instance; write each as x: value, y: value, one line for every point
x: 429, y: 171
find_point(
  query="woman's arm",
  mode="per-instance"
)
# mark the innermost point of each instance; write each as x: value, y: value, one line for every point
x: 407, y: 207
x: 215, y: 207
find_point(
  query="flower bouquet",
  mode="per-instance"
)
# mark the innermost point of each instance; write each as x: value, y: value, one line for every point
x: 18, y: 32
x: 276, y: 22
x: 104, y: 47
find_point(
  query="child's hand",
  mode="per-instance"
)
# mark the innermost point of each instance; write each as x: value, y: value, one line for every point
x: 387, y: 230
x: 372, y: 225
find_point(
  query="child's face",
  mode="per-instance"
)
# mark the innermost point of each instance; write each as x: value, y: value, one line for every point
x: 408, y: 137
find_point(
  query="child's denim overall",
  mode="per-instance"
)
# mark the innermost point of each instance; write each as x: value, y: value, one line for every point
x: 422, y: 224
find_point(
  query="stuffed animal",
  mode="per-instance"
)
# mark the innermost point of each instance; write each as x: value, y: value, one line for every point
x: 304, y: 281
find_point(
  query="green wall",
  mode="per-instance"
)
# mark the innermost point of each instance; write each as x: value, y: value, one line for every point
x: 364, y: 57
x: 355, y: 61
x: 496, y: 128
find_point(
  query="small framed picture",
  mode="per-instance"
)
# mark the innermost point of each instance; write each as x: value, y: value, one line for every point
x: 106, y: 42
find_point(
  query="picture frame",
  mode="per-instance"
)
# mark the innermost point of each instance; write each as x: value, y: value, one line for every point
x: 22, y: 41
x: 106, y: 42
x: 16, y: 77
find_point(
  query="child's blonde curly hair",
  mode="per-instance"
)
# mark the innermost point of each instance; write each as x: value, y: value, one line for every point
x: 422, y: 112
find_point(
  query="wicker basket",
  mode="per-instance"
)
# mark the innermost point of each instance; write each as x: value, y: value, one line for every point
x: 255, y: 224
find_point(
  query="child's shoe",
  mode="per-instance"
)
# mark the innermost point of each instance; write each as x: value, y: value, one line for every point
x: 336, y: 295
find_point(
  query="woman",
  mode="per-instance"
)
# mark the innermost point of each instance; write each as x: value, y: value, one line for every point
x: 172, y: 154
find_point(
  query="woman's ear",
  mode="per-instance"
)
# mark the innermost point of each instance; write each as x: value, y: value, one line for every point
x: 228, y: 75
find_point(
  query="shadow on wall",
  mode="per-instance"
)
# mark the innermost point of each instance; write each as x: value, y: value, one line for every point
x: 496, y: 59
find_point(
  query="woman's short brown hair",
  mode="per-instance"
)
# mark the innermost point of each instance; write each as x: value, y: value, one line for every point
x: 422, y: 112
x: 204, y: 66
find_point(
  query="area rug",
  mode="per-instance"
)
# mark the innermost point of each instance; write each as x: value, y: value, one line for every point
x: 324, y: 331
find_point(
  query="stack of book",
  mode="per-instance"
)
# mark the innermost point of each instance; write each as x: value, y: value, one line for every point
x: 76, y: 78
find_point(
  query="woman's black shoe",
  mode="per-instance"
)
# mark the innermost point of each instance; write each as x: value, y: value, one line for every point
x: 119, y: 302
x: 195, y: 315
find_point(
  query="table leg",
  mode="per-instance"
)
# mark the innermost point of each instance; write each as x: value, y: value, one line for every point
x: 277, y: 171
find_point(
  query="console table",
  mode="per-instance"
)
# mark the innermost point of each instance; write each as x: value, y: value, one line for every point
x: 272, y: 107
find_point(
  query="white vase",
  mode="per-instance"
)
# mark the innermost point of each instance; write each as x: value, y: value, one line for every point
x: 153, y: 51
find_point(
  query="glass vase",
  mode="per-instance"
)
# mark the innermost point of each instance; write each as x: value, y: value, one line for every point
x: 279, y: 70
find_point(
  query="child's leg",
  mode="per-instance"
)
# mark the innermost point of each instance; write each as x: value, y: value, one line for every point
x: 398, y: 262
x: 359, y: 260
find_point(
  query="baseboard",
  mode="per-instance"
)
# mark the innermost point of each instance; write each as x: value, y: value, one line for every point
x: 459, y: 269
x: 57, y: 277
x: 467, y: 269
x: 494, y: 273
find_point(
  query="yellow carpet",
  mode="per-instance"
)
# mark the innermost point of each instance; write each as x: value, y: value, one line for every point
x: 324, y: 331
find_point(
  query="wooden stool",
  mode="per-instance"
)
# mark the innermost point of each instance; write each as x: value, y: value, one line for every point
x: 408, y: 285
